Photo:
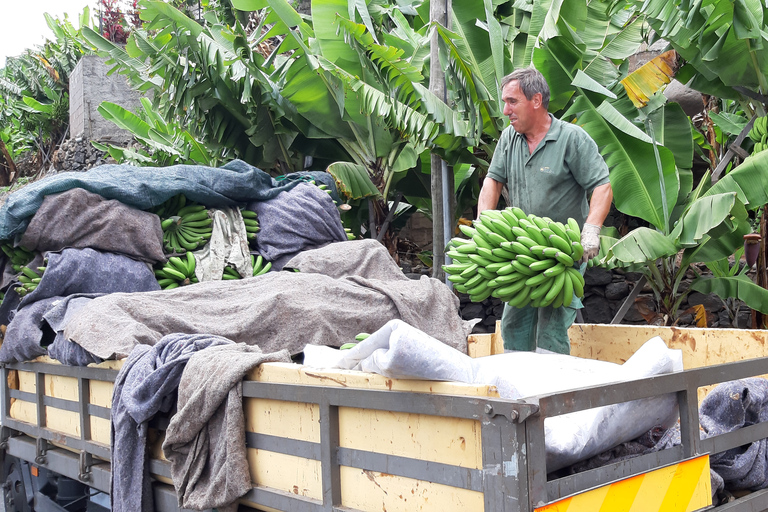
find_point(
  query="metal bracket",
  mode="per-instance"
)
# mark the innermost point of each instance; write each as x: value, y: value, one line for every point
x: 515, y: 412
x: 41, y: 448
x: 86, y: 461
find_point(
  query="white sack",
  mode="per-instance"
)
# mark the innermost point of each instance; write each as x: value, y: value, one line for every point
x: 401, y: 351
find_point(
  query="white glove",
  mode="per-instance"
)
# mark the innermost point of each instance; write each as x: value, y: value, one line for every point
x: 590, y: 241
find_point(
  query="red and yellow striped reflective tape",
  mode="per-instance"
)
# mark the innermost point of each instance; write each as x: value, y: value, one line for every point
x: 681, y: 487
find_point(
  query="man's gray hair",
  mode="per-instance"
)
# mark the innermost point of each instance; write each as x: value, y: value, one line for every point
x: 530, y: 82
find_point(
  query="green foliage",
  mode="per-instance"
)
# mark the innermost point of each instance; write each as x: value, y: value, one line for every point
x: 166, y: 143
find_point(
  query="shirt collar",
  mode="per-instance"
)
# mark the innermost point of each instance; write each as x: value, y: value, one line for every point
x: 554, y: 129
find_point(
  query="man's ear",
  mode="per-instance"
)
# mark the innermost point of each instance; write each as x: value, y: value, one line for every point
x: 537, y: 98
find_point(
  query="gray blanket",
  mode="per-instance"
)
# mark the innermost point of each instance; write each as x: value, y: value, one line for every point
x: 72, y: 271
x: 145, y: 385
x: 57, y: 317
x: 278, y: 310
x: 296, y: 220
x: 145, y: 187
x: 205, y: 440
x: 78, y: 218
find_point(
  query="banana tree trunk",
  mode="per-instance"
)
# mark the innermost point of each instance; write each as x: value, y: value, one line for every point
x: 7, y: 167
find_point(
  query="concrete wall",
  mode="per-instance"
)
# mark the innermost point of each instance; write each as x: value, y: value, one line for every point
x: 89, y: 85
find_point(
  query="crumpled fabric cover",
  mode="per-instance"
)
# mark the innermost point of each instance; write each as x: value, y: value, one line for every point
x: 375, y: 262
x: 57, y: 317
x: 72, y: 271
x: 728, y: 407
x: 296, y: 220
x: 78, y: 218
x: 145, y: 385
x: 205, y: 440
x: 274, y: 311
x: 145, y: 187
x: 228, y: 246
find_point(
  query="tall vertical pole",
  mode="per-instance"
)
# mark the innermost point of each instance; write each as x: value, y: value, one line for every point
x: 442, y: 176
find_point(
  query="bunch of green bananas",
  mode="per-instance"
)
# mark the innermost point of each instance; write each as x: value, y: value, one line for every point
x: 189, y: 229
x: 18, y: 256
x: 230, y: 273
x: 170, y: 207
x: 177, y: 272
x: 518, y: 258
x: 759, y: 134
x: 260, y: 265
x: 350, y: 234
x: 251, y: 220
x: 29, y: 280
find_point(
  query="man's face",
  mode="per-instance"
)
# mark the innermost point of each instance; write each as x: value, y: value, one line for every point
x: 518, y: 108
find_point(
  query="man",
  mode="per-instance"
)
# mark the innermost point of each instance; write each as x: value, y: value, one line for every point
x: 549, y: 167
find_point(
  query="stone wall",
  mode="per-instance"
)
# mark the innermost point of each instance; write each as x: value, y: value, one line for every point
x: 605, y: 292
x: 89, y: 85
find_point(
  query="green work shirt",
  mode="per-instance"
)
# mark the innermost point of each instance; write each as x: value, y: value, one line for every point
x: 554, y: 182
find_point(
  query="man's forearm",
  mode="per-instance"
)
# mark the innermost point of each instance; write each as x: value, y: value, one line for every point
x: 489, y: 195
x: 600, y: 204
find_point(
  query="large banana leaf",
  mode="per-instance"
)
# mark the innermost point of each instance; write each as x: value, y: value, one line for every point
x: 749, y: 180
x: 353, y: 180
x: 643, y: 245
x: 739, y: 287
x: 704, y: 217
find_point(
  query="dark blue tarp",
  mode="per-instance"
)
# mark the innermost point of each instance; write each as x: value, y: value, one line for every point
x: 145, y: 187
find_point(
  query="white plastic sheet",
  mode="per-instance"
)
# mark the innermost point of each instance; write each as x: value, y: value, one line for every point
x: 401, y: 351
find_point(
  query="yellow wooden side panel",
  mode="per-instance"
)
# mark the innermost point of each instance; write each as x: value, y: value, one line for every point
x: 295, y: 420
x: 27, y: 382
x: 100, y: 430
x: 289, y: 373
x: 287, y: 473
x: 682, y: 487
x: 373, y: 492
x: 700, y: 347
x: 23, y: 411
x: 101, y: 393
x: 451, y: 441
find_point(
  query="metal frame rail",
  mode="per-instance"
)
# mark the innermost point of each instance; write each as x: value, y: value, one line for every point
x: 513, y: 477
x: 685, y: 384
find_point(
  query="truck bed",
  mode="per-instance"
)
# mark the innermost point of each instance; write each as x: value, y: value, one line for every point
x: 344, y: 440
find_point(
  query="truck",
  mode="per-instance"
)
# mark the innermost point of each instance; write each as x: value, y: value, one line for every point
x: 342, y: 440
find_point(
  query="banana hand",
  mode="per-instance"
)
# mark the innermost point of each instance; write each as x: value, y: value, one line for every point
x: 590, y: 241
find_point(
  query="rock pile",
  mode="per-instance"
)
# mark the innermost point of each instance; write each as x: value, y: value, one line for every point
x: 79, y: 155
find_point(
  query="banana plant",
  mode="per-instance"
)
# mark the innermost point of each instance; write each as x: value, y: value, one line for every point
x: 166, y: 143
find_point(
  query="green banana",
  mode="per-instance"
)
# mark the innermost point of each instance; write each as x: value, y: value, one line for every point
x: 519, y: 248
x: 519, y: 267
x: 560, y: 243
x: 536, y: 279
x: 557, y: 285
x: 540, y: 290
x: 573, y: 225
x: 559, y: 229
x: 567, y: 294
x: 542, y: 265
x: 526, y: 260
x: 505, y: 270
x: 528, y: 242
x: 469, y: 271
x: 564, y: 259
x: 519, y: 213
x: 487, y: 274
x: 510, y: 217
x: 577, y: 280
x: 553, y: 271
